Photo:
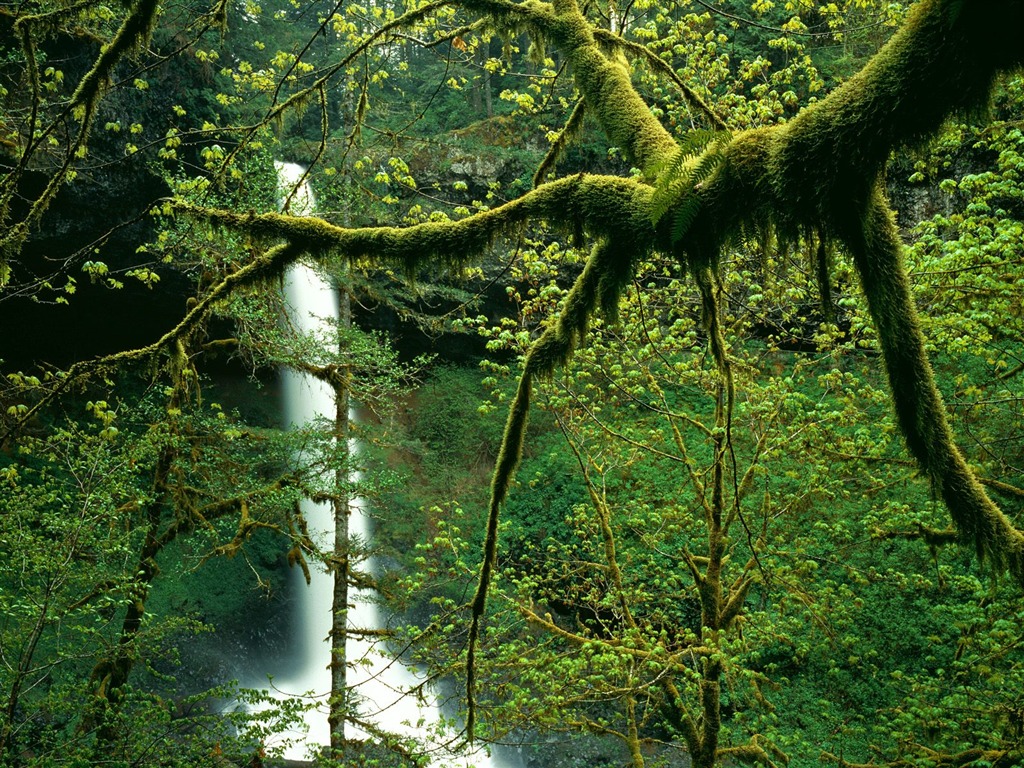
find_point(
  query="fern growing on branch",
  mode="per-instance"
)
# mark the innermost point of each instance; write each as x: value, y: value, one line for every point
x: 683, y: 172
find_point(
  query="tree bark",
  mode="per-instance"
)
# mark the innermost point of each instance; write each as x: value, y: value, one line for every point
x: 339, y: 699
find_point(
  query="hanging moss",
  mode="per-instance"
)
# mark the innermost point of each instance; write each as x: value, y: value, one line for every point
x: 822, y: 172
x: 571, y: 132
x: 822, y: 167
x: 919, y: 407
x: 603, y: 206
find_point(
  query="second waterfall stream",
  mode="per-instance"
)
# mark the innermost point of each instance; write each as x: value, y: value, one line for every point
x: 378, y: 682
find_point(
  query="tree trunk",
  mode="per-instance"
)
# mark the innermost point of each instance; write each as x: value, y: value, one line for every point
x: 341, y: 560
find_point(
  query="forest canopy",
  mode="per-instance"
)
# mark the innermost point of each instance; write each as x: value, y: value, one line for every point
x: 759, y: 265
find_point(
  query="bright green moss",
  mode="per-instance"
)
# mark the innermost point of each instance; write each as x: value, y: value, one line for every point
x: 606, y: 87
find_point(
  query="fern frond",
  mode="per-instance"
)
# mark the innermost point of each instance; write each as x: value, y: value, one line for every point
x: 671, y: 181
x: 698, y: 157
x: 689, y: 205
x: 692, y: 145
x: 686, y: 214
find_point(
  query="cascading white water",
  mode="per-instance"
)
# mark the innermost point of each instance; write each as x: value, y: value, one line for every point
x: 380, y: 683
x: 312, y: 304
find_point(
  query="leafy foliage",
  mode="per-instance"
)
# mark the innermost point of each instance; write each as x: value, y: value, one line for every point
x: 725, y: 551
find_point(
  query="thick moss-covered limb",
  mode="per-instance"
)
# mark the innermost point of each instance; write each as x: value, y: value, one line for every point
x: 933, y: 537
x: 735, y: 602
x: 1011, y: 491
x: 944, y: 60
x: 623, y: 96
x: 603, y: 80
x: 711, y: 713
x: 759, y: 751
x: 605, y: 275
x: 680, y: 716
x: 662, y: 67
x: 818, y: 171
x: 821, y: 172
x: 749, y: 754
x: 602, y: 205
x: 53, y: 20
x: 509, y: 456
x: 526, y: 15
x: 131, y: 37
x: 875, y: 247
x: 633, y: 735
x: 605, y: 83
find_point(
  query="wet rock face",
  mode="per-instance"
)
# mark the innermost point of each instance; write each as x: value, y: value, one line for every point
x: 100, y: 215
x: 477, y: 168
x: 95, y: 218
x: 456, y: 166
x: 916, y: 202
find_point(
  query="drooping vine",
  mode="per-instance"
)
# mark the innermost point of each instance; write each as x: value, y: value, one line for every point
x: 597, y: 289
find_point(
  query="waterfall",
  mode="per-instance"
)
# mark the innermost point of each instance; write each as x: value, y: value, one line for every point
x: 306, y: 399
x: 379, y: 682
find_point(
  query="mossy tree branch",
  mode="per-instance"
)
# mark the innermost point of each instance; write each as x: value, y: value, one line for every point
x: 662, y: 67
x: 132, y: 36
x: 919, y: 407
x: 568, y: 134
x: 821, y: 172
x: 602, y: 206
